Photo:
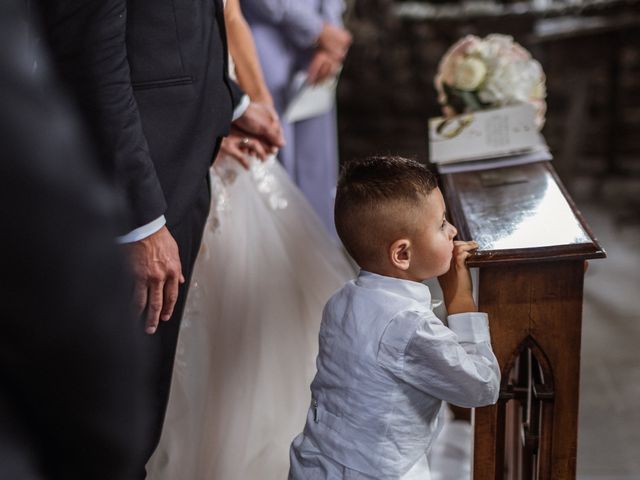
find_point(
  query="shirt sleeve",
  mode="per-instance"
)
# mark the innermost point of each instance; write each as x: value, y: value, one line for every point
x: 455, y: 364
x: 332, y: 11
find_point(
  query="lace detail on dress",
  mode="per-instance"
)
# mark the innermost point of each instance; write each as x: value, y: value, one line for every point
x: 225, y: 174
x: 220, y: 205
x: 267, y: 183
x: 219, y: 197
x: 222, y: 177
x: 190, y: 312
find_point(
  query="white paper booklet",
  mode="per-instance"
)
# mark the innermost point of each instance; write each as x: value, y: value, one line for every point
x: 307, y: 101
x: 485, y: 134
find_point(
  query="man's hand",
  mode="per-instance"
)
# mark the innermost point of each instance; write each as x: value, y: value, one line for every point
x: 157, y: 271
x: 335, y: 41
x: 322, y: 67
x: 262, y: 122
x: 456, y: 283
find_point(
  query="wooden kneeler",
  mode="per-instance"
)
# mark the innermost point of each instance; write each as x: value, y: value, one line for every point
x: 533, y: 243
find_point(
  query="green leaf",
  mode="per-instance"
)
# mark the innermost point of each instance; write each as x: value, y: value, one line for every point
x: 463, y: 100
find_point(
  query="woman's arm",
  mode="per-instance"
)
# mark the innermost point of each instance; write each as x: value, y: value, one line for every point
x: 243, y: 52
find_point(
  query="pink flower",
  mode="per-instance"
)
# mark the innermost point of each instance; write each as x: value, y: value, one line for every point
x: 448, y: 63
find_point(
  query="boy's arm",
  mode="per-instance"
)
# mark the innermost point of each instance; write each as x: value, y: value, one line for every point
x: 454, y: 364
x: 456, y: 283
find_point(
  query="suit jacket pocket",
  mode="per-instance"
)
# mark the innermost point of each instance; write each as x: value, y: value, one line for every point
x: 162, y: 83
x: 154, y: 47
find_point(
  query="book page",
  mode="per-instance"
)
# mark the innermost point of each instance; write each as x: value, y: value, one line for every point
x: 307, y: 101
x: 484, y: 134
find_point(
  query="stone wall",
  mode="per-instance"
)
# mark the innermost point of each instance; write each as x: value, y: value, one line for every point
x: 386, y: 92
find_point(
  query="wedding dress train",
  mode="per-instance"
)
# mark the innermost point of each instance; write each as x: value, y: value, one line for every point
x: 248, y: 339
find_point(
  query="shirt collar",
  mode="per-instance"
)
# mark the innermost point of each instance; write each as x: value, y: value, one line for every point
x: 406, y: 288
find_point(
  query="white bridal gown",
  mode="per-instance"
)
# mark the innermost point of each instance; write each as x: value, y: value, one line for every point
x: 248, y: 340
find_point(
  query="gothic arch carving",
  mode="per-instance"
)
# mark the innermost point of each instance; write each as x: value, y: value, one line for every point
x: 526, y: 399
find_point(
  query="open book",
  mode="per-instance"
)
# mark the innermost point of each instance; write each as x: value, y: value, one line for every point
x: 486, y: 139
x: 307, y: 101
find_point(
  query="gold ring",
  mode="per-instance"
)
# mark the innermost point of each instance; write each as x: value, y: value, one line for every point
x: 244, y: 142
x: 446, y: 130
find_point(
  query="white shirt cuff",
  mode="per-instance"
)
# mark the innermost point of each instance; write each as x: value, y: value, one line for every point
x: 241, y: 108
x: 471, y: 327
x: 143, y: 232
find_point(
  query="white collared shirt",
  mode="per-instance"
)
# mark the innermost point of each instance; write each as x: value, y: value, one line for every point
x: 385, y: 365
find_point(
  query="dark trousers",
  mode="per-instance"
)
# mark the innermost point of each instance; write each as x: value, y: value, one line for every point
x: 161, y: 347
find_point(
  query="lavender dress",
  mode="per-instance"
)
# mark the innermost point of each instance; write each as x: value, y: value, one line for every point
x: 285, y: 32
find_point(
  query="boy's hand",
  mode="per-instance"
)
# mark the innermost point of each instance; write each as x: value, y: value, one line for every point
x: 456, y: 283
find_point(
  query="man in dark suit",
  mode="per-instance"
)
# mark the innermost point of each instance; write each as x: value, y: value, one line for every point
x: 151, y: 79
x: 73, y: 390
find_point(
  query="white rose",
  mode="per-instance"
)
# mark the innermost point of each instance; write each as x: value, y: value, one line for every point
x: 513, y: 81
x: 469, y: 73
x: 538, y: 92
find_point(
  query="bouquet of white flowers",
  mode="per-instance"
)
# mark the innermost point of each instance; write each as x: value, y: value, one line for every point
x: 477, y: 74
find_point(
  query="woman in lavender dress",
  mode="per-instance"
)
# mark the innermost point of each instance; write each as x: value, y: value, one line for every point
x: 293, y: 36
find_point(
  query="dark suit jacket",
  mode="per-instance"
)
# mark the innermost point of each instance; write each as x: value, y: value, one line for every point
x: 151, y: 78
x: 73, y: 400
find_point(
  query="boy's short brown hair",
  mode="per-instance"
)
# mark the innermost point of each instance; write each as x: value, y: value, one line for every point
x: 376, y: 202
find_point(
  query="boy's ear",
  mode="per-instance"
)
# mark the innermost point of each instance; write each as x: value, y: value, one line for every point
x: 400, y: 253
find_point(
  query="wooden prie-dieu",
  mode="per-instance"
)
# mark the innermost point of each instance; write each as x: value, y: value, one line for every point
x: 533, y: 244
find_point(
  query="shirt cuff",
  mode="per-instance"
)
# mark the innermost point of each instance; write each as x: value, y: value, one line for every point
x: 241, y: 108
x: 471, y: 327
x: 143, y: 232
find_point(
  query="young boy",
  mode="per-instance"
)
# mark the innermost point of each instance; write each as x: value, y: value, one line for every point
x: 386, y: 362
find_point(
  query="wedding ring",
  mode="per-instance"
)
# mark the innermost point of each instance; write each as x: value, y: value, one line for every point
x: 244, y: 142
x: 446, y: 129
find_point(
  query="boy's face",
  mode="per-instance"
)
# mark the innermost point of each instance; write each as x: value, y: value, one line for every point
x: 433, y: 242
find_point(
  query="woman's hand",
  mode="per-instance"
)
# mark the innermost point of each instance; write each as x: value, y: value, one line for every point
x: 335, y: 41
x: 322, y: 67
x: 239, y: 146
x: 260, y: 121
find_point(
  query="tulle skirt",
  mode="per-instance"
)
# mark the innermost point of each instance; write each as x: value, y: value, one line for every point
x: 249, y: 336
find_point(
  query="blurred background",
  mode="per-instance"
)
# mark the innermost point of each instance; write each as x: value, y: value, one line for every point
x: 590, y: 51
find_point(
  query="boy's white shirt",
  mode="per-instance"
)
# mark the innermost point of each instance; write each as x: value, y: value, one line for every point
x: 386, y: 363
